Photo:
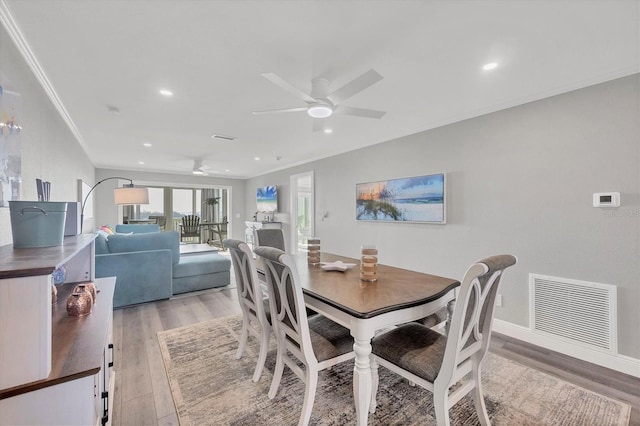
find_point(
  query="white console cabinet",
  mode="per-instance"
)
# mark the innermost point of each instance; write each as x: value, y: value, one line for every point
x: 55, y: 369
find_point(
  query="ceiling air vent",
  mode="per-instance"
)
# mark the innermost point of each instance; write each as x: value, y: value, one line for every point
x: 223, y: 137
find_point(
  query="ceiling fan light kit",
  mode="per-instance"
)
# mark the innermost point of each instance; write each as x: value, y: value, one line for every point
x: 320, y: 111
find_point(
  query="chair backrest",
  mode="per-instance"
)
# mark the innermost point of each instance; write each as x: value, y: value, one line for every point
x: 161, y: 221
x: 288, y: 312
x: 190, y: 225
x: 269, y: 238
x: 470, y: 329
x: 247, y: 284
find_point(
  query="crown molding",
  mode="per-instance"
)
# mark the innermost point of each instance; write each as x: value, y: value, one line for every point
x: 10, y: 24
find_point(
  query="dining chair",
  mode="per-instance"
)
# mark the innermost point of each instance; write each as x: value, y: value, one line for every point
x: 256, y: 316
x: 437, y: 362
x: 190, y: 227
x: 316, y: 342
x: 161, y: 221
x: 269, y: 238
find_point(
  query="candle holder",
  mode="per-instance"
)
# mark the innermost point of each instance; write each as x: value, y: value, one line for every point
x: 79, y: 304
x: 89, y: 288
x: 313, y: 254
x: 369, y: 263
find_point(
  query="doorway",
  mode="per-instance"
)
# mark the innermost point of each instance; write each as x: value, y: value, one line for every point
x: 302, y: 210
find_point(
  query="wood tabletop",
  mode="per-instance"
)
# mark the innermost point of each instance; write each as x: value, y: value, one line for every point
x: 395, y: 289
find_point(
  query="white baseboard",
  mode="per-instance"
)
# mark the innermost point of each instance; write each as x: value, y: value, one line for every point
x: 617, y: 362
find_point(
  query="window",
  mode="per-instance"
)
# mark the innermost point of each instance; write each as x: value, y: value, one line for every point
x: 171, y: 204
x: 156, y: 204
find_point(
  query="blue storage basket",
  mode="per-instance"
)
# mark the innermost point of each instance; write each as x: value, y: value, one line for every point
x: 37, y: 223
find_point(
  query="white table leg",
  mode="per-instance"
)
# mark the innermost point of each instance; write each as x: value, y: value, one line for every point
x: 362, y: 373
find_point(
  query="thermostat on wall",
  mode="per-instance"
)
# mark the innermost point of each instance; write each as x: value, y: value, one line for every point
x: 606, y: 199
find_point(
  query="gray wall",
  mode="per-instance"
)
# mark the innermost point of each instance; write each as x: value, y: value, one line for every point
x: 519, y: 181
x: 49, y: 149
x: 107, y: 211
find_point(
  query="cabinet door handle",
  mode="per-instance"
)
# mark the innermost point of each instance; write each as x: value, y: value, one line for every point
x: 105, y: 407
x: 110, y: 346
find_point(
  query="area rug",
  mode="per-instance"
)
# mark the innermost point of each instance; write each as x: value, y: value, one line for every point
x: 211, y: 387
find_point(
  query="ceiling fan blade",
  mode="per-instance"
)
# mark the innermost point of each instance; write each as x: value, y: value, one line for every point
x: 360, y: 112
x: 355, y: 86
x: 278, y: 81
x: 318, y: 124
x: 270, y: 111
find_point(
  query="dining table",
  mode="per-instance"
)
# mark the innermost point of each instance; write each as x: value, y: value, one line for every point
x: 141, y: 221
x: 398, y: 296
x: 214, y: 229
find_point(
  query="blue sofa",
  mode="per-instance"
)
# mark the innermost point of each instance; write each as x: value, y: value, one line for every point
x: 137, y: 228
x: 148, y: 266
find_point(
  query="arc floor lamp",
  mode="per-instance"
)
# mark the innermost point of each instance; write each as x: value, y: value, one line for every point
x: 125, y: 196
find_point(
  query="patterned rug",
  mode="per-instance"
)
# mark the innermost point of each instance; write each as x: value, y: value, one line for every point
x: 211, y: 387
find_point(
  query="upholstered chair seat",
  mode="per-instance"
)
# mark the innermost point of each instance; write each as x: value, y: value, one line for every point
x: 413, y: 347
x: 329, y: 339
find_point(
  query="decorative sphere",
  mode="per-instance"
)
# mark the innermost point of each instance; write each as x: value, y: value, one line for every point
x: 59, y: 275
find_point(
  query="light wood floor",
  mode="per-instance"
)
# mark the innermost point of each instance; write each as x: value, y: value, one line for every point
x: 142, y: 395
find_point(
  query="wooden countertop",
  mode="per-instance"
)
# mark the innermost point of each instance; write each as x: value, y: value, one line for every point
x: 27, y: 262
x: 77, y: 343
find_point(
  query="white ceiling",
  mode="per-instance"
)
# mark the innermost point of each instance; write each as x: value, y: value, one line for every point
x: 98, y: 54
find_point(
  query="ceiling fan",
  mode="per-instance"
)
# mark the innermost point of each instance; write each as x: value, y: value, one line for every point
x: 322, y: 103
x: 199, y: 168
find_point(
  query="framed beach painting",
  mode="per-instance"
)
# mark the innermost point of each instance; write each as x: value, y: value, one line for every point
x: 267, y: 199
x: 419, y: 199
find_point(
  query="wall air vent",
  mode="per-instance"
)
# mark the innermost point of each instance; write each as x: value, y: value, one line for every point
x: 223, y: 137
x: 574, y: 311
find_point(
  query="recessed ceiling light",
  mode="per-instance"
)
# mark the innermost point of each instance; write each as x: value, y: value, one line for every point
x: 490, y: 66
x: 256, y: 158
x: 147, y: 144
x: 141, y: 162
x: 328, y: 131
x: 165, y: 92
x: 227, y: 171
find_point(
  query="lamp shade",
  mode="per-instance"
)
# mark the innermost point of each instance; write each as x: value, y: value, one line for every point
x: 130, y: 196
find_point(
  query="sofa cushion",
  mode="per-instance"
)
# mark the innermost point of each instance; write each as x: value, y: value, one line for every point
x: 201, y: 264
x: 101, y: 243
x: 137, y: 228
x: 119, y: 243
